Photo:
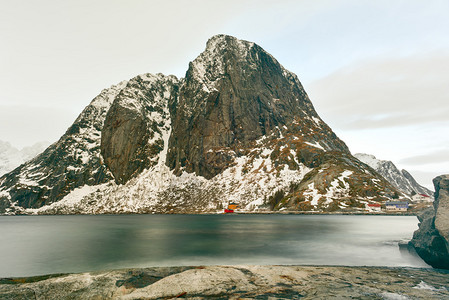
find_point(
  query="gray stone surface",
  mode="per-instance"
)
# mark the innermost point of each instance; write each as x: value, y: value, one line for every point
x: 431, y: 240
x: 236, y: 282
x: 132, y: 134
x: 441, y: 206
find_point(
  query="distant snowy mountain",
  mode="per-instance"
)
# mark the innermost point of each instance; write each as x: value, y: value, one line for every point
x: 402, y: 180
x: 11, y: 157
x: 238, y: 128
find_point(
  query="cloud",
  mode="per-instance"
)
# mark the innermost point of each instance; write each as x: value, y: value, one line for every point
x: 392, y: 107
x: 25, y: 125
x: 436, y: 157
x: 386, y: 92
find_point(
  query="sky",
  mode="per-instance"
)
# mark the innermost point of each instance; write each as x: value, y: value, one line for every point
x: 376, y: 71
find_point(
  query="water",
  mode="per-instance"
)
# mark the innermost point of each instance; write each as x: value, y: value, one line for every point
x: 35, y: 245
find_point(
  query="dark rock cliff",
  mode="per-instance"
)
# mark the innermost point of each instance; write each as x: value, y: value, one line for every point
x: 235, y: 93
x: 431, y: 240
x: 133, y: 131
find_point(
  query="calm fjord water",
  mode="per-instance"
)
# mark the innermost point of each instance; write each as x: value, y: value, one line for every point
x: 34, y: 245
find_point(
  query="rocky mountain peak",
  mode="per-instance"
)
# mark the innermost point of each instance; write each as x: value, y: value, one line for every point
x: 222, y: 45
x: 402, y: 180
x: 368, y: 159
x: 224, y: 53
x: 238, y: 128
x: 225, y: 41
x: 235, y: 93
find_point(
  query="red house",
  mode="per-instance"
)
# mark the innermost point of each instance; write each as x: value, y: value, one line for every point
x: 374, y: 207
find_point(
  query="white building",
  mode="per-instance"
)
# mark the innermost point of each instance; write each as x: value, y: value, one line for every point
x: 396, y: 205
x: 418, y: 198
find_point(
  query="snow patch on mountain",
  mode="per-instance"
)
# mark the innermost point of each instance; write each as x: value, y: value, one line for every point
x: 249, y: 182
x: 402, y: 180
x: 339, y: 186
x: 316, y: 145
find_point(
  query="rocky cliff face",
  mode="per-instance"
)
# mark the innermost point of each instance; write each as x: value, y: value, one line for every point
x: 239, y: 127
x: 137, y: 124
x: 234, y: 94
x: 431, y: 240
x: 402, y: 180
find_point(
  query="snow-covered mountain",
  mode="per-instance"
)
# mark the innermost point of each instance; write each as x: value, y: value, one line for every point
x: 11, y: 157
x: 401, y: 179
x: 238, y: 128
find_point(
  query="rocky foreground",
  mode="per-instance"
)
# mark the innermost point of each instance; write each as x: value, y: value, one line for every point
x: 236, y: 282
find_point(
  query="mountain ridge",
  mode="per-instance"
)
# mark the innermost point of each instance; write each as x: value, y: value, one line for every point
x: 401, y: 179
x: 239, y: 127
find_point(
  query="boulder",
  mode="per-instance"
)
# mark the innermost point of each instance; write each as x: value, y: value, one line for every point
x: 431, y: 240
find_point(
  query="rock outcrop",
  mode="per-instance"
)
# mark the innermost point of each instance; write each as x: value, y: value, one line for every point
x: 431, y: 240
x: 235, y: 282
x: 137, y: 124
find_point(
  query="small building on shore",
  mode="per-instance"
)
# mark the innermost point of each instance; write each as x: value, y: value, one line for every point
x: 374, y: 207
x: 396, y: 205
x: 420, y: 198
x: 233, y: 206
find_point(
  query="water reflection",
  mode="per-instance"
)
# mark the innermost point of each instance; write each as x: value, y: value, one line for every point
x: 50, y: 244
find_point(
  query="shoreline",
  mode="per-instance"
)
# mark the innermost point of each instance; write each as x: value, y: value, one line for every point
x: 239, y: 213
x: 235, y: 282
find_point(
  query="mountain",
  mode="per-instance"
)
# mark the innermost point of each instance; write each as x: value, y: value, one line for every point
x: 238, y: 128
x: 71, y: 162
x: 11, y: 157
x: 402, y: 180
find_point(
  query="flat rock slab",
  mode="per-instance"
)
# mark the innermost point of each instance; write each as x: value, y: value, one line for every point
x: 235, y: 282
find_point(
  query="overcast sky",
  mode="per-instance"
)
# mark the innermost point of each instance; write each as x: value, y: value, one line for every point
x: 376, y: 71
